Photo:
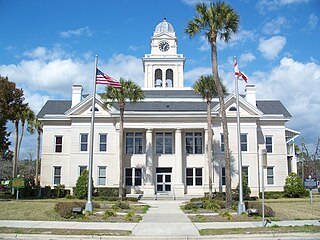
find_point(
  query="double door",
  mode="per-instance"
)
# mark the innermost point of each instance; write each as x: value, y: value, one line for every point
x: 164, y: 177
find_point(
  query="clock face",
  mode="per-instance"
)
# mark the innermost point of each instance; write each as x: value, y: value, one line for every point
x: 164, y: 46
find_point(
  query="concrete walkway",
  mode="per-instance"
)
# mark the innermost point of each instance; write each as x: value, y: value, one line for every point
x: 165, y: 218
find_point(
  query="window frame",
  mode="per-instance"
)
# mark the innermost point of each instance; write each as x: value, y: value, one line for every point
x: 84, y: 144
x: 57, y: 145
x: 194, y: 178
x: 269, y: 146
x: 223, y: 176
x: 244, y: 144
x: 163, y: 137
x: 134, y: 178
x: 103, y: 143
x: 57, y: 176
x: 247, y: 172
x: 270, y: 176
x: 80, y: 170
x: 221, y: 142
x: 194, y: 139
x: 101, y: 177
x: 136, y: 147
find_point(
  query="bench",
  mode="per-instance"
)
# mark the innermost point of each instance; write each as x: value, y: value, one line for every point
x: 252, y: 212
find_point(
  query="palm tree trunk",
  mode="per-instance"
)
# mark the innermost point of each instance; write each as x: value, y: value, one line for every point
x: 121, y: 193
x: 15, y: 154
x: 38, y: 157
x: 209, y: 156
x: 20, y: 140
x: 224, y: 121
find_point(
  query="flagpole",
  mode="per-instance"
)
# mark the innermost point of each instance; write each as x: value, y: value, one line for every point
x: 241, y: 206
x: 89, y: 205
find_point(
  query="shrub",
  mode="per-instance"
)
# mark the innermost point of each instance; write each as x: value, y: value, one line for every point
x: 81, y: 189
x: 293, y: 186
x: 59, y: 191
x: 129, y: 216
x: 122, y: 205
x: 226, y: 215
x: 246, y: 191
x: 190, y: 206
x: 107, y: 192
x: 272, y: 195
x: 65, y: 208
x: 109, y: 213
x: 268, y: 211
x: 212, y: 205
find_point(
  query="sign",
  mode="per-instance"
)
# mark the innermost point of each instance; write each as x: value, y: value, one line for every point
x: 18, y: 183
x: 310, y: 183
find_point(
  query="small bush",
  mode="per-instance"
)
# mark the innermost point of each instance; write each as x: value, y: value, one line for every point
x: 65, y: 208
x: 190, y: 206
x: 268, y: 211
x: 109, y: 213
x: 272, y: 195
x: 129, y: 216
x: 226, y: 215
x: 246, y: 191
x: 214, y: 205
x: 293, y: 186
x: 122, y: 205
x: 106, y: 192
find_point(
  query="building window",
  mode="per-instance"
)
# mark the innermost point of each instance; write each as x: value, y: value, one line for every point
x: 194, y: 142
x: 56, y: 175
x: 58, y: 144
x: 134, y: 143
x: 81, y: 169
x: 223, y: 176
x: 83, y: 142
x: 133, y: 176
x: 102, y: 175
x: 245, y: 170
x: 158, y: 78
x: 102, y: 142
x: 269, y: 144
x: 194, y: 176
x: 221, y: 143
x: 244, y: 142
x: 169, y: 78
x: 270, y: 175
x: 164, y: 143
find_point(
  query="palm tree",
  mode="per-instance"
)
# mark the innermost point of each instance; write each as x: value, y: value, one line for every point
x: 36, y: 125
x: 26, y: 115
x: 217, y: 19
x: 128, y: 91
x: 206, y: 87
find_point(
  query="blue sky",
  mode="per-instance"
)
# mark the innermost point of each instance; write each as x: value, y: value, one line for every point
x: 47, y: 46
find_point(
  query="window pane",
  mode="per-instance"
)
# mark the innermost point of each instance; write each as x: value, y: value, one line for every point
x: 102, y: 175
x: 58, y: 148
x: 58, y: 144
x: 57, y: 175
x: 189, y: 172
x: 58, y: 140
x: 198, y: 181
x: 243, y: 142
x: 138, y: 177
x: 223, y: 176
x: 198, y: 172
x: 103, y: 143
x: 128, y: 180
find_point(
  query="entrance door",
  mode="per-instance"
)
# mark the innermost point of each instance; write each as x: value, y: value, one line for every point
x: 163, y: 179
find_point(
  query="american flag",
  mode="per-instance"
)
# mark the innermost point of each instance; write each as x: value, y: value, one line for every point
x: 102, y: 78
x: 237, y: 73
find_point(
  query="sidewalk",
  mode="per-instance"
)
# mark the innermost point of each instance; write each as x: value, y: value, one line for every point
x: 164, y: 218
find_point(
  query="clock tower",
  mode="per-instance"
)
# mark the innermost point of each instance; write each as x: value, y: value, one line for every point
x: 163, y: 67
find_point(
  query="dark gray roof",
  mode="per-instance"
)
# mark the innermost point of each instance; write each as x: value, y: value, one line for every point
x: 165, y: 106
x: 54, y: 107
x: 273, y: 107
x: 266, y: 106
x: 171, y: 94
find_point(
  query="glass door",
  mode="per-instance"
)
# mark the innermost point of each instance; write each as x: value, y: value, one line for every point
x: 163, y: 182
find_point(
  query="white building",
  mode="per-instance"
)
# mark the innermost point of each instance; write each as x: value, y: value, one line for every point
x: 165, y: 134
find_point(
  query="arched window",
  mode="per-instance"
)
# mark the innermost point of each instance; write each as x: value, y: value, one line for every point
x: 169, y: 78
x: 232, y: 109
x: 158, y: 78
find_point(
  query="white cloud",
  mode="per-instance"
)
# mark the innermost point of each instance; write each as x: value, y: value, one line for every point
x: 191, y: 76
x: 270, y: 48
x: 269, y: 5
x: 194, y: 2
x: 274, y: 26
x: 313, y: 21
x: 246, y: 58
x: 295, y: 84
x: 84, y: 31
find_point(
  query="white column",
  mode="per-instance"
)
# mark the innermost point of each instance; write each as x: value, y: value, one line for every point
x: 178, y: 187
x: 149, y: 186
x: 178, y: 154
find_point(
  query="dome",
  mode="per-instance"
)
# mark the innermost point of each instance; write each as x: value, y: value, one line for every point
x: 164, y: 26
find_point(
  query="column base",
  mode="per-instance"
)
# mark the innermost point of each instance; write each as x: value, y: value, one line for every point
x: 148, y: 191
x: 179, y: 190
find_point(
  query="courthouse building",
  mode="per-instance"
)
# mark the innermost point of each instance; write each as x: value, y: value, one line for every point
x: 165, y: 135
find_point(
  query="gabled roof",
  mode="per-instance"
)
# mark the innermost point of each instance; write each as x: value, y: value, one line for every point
x: 54, y: 107
x: 268, y: 107
x: 273, y: 107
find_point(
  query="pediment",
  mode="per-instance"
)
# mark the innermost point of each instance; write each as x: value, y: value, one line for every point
x: 246, y: 109
x: 163, y: 35
x: 84, y: 108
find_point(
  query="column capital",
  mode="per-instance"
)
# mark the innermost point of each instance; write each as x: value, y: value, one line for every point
x: 149, y: 130
x: 178, y: 130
